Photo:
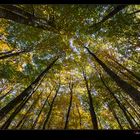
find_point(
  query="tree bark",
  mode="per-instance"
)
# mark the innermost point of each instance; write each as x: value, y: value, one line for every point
x: 136, y: 82
x: 80, y: 118
x: 91, y: 107
x: 100, y: 125
x: 33, y: 104
x: 18, y: 109
x: 18, y: 15
x: 12, y: 116
x: 26, y: 92
x: 3, y: 53
x: 137, y: 11
x: 70, y: 104
x: 115, y: 116
x: 138, y: 78
x: 51, y: 107
x: 5, y: 94
x: 12, y: 54
x: 130, y: 90
x: 110, y: 15
x: 133, y: 118
x: 34, y: 124
x: 119, y: 104
x: 131, y: 106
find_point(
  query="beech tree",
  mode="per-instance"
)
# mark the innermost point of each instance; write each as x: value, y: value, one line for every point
x: 69, y: 66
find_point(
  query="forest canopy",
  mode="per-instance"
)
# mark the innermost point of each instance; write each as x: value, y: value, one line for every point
x: 69, y: 66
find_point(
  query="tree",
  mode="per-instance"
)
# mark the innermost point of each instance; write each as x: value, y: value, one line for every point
x: 133, y: 93
x: 70, y: 104
x: 48, y: 80
x: 13, y: 54
x: 115, y: 116
x: 34, y: 124
x: 31, y: 107
x: 110, y: 15
x: 51, y: 107
x: 29, y: 90
x: 18, y: 15
x: 91, y: 108
x: 124, y: 110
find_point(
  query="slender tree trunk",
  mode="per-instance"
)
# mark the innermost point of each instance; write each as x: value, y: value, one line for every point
x: 5, y: 94
x: 110, y: 15
x: 136, y: 82
x: 33, y: 104
x: 29, y: 90
x: 12, y: 54
x: 4, y: 53
x: 49, y: 125
x: 100, y: 125
x: 131, y: 106
x: 130, y: 78
x: 34, y: 124
x: 80, y: 118
x: 119, y: 104
x: 137, y: 11
x: 17, y: 10
x: 51, y: 107
x: 91, y: 108
x: 18, y: 15
x: 115, y: 116
x: 133, y: 118
x: 133, y: 74
x: 17, y: 53
x: 130, y: 90
x: 70, y: 104
x: 17, y: 110
x: 12, y: 116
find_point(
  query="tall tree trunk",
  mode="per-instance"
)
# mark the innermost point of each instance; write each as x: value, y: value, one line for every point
x: 49, y: 125
x: 131, y: 106
x: 130, y: 90
x: 110, y: 15
x: 133, y: 74
x: 29, y: 90
x: 17, y: 110
x: 17, y: 10
x: 136, y: 82
x: 12, y: 116
x: 115, y: 116
x: 34, y: 124
x: 100, y: 125
x: 13, y: 54
x: 119, y: 104
x: 51, y: 107
x: 33, y: 104
x: 137, y: 11
x: 17, y: 53
x: 5, y: 94
x: 80, y: 118
x: 128, y: 71
x: 130, y: 113
x: 18, y: 15
x: 4, y: 53
x: 133, y: 118
x: 91, y: 107
x: 70, y: 104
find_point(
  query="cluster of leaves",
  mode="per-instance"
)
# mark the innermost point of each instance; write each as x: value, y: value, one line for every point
x: 115, y: 40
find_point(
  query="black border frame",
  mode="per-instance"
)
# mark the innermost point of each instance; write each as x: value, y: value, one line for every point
x: 69, y: 134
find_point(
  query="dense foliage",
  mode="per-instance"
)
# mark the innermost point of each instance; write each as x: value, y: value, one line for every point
x: 69, y: 66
